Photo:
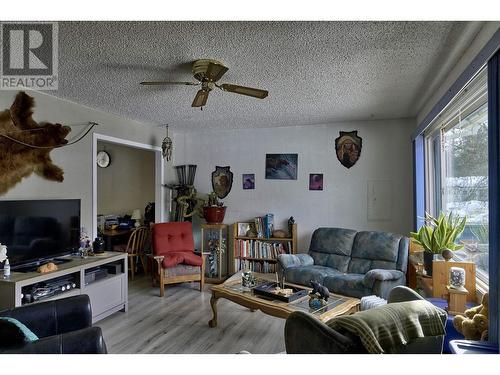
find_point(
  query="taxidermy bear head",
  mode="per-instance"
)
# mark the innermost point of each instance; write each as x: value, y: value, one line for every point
x: 17, y: 160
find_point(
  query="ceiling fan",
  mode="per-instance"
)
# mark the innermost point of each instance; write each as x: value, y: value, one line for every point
x: 208, y: 72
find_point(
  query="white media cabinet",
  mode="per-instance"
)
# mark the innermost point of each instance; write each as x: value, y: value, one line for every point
x: 107, y: 295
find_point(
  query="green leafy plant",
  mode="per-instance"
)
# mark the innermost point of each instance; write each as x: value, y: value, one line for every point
x: 439, y: 234
x: 213, y: 201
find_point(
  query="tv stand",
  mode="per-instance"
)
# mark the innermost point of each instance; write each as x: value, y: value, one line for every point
x: 33, y: 266
x: 107, y: 295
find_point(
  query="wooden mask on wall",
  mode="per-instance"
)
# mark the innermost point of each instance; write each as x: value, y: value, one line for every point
x: 222, y: 181
x: 348, y: 148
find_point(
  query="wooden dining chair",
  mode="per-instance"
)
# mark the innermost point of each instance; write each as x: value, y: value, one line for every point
x: 135, y: 249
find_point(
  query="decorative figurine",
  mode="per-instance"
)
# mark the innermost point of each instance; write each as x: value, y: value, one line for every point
x: 318, y: 296
x: 291, y: 221
x: 247, y: 279
x: 457, y: 277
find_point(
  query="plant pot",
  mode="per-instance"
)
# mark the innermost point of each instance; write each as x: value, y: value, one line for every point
x: 428, y: 258
x: 214, y: 215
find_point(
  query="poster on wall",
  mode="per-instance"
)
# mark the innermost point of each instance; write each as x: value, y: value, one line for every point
x: 281, y: 166
x: 248, y: 181
x: 316, y: 181
x: 348, y: 148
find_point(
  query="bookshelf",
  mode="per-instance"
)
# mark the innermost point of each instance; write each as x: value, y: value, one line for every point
x: 259, y: 254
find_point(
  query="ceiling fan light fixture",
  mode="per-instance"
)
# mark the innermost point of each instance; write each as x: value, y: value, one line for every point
x: 208, y: 70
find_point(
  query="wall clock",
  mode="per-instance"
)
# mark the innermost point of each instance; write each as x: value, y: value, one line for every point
x: 103, y: 159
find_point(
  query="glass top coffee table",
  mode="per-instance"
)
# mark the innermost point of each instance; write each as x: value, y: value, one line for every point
x: 232, y: 290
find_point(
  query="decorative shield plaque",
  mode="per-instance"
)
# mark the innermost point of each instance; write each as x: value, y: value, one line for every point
x: 222, y: 181
x: 348, y: 148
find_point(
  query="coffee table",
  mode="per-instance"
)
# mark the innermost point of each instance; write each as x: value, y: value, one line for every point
x: 232, y: 290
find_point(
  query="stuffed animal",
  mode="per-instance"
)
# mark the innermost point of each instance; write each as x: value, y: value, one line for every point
x: 474, y: 325
x: 49, y: 267
x: 17, y: 160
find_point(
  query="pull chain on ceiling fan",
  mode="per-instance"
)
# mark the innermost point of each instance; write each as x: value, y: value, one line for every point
x: 208, y: 72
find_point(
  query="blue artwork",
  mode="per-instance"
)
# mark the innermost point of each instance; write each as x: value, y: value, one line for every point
x: 281, y: 166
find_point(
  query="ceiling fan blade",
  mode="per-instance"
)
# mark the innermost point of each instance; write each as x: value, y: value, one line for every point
x: 249, y: 91
x: 200, y: 99
x: 160, y: 83
x: 215, y: 72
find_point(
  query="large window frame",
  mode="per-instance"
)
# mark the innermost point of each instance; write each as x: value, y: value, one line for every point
x: 470, y: 99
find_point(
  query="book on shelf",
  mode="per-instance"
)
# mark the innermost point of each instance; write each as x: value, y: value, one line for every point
x: 260, y: 249
x: 264, y: 225
x: 262, y: 267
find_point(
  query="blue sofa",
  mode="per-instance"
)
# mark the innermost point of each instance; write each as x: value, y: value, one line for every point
x: 350, y: 263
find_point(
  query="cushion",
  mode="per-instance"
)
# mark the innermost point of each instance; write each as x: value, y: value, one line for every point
x: 182, y: 270
x: 350, y: 284
x: 304, y: 275
x: 187, y: 257
x: 173, y: 237
x: 332, y: 247
x: 14, y: 333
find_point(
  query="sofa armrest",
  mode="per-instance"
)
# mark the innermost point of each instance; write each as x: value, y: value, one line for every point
x: 372, y: 276
x: 54, y: 317
x: 295, y: 260
x: 83, y: 341
x: 305, y: 334
x: 402, y: 293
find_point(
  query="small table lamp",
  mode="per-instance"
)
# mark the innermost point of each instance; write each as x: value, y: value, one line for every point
x: 136, y: 215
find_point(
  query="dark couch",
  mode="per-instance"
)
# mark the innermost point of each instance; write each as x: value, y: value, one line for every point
x: 63, y: 327
x: 306, y: 334
x: 349, y: 262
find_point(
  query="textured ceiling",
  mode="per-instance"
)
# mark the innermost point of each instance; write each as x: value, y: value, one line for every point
x: 316, y: 72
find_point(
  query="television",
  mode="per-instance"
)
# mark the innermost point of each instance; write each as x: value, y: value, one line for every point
x: 38, y: 230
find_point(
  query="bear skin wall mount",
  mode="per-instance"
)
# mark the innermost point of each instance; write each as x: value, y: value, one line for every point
x: 18, y: 161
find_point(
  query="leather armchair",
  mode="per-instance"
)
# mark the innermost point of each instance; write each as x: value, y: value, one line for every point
x: 305, y: 334
x: 63, y: 326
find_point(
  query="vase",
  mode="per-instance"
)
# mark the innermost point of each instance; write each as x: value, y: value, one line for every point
x: 428, y: 258
x: 214, y: 215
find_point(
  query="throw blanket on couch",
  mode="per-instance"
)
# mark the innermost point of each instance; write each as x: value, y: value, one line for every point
x: 384, y: 329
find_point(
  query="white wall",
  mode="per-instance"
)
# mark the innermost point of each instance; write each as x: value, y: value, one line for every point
x: 75, y: 160
x: 128, y: 182
x: 386, y: 155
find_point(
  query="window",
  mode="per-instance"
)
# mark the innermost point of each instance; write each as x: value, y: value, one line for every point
x: 457, y: 169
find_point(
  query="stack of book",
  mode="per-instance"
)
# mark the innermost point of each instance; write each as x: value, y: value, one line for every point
x: 264, y: 226
x: 259, y: 249
x: 262, y: 267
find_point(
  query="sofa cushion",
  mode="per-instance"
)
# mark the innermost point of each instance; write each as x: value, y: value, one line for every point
x: 374, y: 250
x: 304, y: 275
x: 350, y: 284
x: 172, y: 237
x: 331, y: 247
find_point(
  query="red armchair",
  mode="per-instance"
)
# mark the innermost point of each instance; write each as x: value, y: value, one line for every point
x: 173, y: 250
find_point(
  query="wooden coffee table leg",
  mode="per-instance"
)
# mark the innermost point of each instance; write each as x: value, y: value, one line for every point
x: 213, y: 302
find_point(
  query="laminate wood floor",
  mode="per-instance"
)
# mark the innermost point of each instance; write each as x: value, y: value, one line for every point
x: 178, y: 323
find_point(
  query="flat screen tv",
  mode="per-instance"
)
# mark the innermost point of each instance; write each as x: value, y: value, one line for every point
x: 37, y: 230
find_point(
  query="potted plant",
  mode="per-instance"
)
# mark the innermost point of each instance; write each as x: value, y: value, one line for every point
x: 438, y: 236
x: 214, y: 209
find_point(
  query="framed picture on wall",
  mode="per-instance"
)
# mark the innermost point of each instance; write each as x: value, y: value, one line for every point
x: 281, y: 166
x: 248, y: 180
x: 316, y: 181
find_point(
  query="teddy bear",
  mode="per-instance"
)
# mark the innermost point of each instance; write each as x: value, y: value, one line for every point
x: 474, y: 325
